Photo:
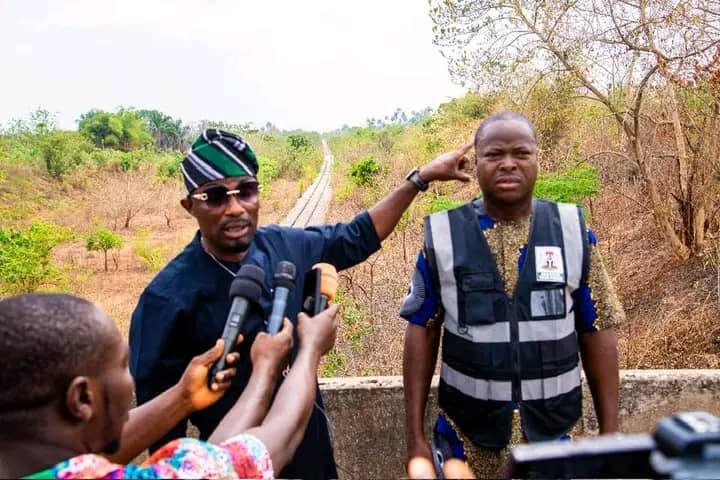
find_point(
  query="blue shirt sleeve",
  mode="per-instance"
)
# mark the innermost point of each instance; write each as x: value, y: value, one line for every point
x: 585, y: 309
x: 421, y: 302
x: 153, y: 365
x: 344, y: 244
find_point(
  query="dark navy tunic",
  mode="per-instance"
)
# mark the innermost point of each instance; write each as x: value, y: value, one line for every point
x: 183, y: 311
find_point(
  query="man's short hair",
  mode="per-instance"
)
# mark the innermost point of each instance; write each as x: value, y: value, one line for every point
x: 504, y: 116
x: 46, y: 340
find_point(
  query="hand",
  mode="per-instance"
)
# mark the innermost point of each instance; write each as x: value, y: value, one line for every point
x: 193, y: 383
x: 318, y: 333
x: 448, y: 166
x: 271, y: 352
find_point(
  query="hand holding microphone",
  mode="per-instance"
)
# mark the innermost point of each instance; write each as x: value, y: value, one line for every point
x: 328, y: 283
x: 246, y: 288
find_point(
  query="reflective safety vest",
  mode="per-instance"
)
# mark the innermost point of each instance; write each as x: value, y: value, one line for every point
x: 500, y: 349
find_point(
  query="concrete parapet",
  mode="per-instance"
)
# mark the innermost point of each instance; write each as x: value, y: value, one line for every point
x: 368, y: 417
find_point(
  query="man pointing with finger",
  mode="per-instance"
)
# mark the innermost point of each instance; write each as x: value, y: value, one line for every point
x: 183, y: 310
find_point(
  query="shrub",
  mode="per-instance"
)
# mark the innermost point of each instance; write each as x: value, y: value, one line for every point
x: 152, y: 257
x: 363, y: 171
x: 574, y: 185
x: 441, y: 202
x: 25, y: 256
x: 100, y: 239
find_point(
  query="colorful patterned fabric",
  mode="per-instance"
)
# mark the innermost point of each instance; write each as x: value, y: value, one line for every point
x: 215, y: 155
x: 243, y: 456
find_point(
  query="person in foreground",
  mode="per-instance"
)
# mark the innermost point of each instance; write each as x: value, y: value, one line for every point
x: 65, y: 395
x: 183, y: 310
x: 519, y: 294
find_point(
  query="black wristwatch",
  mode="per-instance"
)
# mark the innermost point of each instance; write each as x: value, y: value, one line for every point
x: 414, y: 178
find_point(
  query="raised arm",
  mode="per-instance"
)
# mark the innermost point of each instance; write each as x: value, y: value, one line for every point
x: 387, y: 212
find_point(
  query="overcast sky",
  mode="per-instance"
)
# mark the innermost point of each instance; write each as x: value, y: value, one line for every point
x: 313, y: 64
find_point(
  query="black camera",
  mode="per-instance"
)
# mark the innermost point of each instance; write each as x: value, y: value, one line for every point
x: 685, y: 445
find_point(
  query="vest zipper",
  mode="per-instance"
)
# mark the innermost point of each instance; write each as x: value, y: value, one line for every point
x: 515, y: 349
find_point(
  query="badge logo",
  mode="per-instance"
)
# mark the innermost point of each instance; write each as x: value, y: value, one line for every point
x: 549, y: 265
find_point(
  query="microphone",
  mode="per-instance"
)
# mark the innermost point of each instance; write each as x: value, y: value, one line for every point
x: 246, y: 288
x: 283, y: 284
x: 328, y: 283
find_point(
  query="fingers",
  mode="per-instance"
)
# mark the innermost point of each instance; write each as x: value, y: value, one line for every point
x: 240, y: 339
x: 455, y: 468
x: 211, y: 355
x: 232, y: 358
x: 223, y: 379
x: 421, y: 467
x: 465, y: 148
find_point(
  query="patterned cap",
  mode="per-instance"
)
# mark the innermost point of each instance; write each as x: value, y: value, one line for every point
x: 215, y: 155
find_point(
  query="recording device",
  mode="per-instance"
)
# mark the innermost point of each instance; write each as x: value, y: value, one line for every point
x: 685, y: 445
x: 319, y: 289
x: 328, y: 284
x: 246, y: 288
x: 283, y: 284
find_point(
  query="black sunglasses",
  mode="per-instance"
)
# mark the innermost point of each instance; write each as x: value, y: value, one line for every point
x: 216, y: 197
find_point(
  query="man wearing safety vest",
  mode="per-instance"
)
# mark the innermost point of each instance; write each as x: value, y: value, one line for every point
x: 520, y: 296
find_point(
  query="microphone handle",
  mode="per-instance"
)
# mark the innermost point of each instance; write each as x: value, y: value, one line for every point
x: 234, y: 323
x: 278, y: 310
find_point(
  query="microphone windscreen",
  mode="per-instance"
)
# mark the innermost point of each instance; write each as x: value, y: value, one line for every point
x: 285, y: 273
x: 248, y: 283
x: 328, y: 279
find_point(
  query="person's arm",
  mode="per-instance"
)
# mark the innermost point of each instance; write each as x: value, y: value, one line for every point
x: 269, y: 355
x: 600, y: 362
x: 387, y: 212
x: 284, y: 426
x: 419, y: 357
x: 598, y: 313
x: 157, y: 362
x: 150, y: 421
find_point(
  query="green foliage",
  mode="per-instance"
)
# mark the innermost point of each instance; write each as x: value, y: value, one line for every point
x: 101, y: 239
x: 25, y: 263
x: 125, y: 130
x: 62, y: 152
x: 168, y: 166
x: 472, y: 105
x: 352, y: 318
x: 152, y: 257
x: 438, y: 203
x: 574, y: 185
x: 333, y: 364
x: 362, y: 172
x: 269, y: 169
x: 167, y: 132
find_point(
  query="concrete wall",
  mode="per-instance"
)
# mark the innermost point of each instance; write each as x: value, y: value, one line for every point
x: 368, y: 418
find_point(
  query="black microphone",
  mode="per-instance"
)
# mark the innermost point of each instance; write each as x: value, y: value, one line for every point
x: 283, y: 283
x: 246, y: 288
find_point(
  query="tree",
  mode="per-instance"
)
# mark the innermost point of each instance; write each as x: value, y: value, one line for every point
x: 100, y: 239
x: 124, y: 130
x: 167, y: 132
x: 619, y: 54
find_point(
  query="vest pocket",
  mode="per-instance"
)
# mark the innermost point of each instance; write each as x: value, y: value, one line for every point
x: 480, y: 301
x: 548, y: 303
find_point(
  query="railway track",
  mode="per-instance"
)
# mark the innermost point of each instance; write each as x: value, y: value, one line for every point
x: 310, y: 207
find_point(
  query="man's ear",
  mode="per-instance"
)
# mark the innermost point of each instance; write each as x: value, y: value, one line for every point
x: 79, y: 399
x: 186, y: 204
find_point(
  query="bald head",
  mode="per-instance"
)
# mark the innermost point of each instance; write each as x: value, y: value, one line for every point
x: 45, y: 341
